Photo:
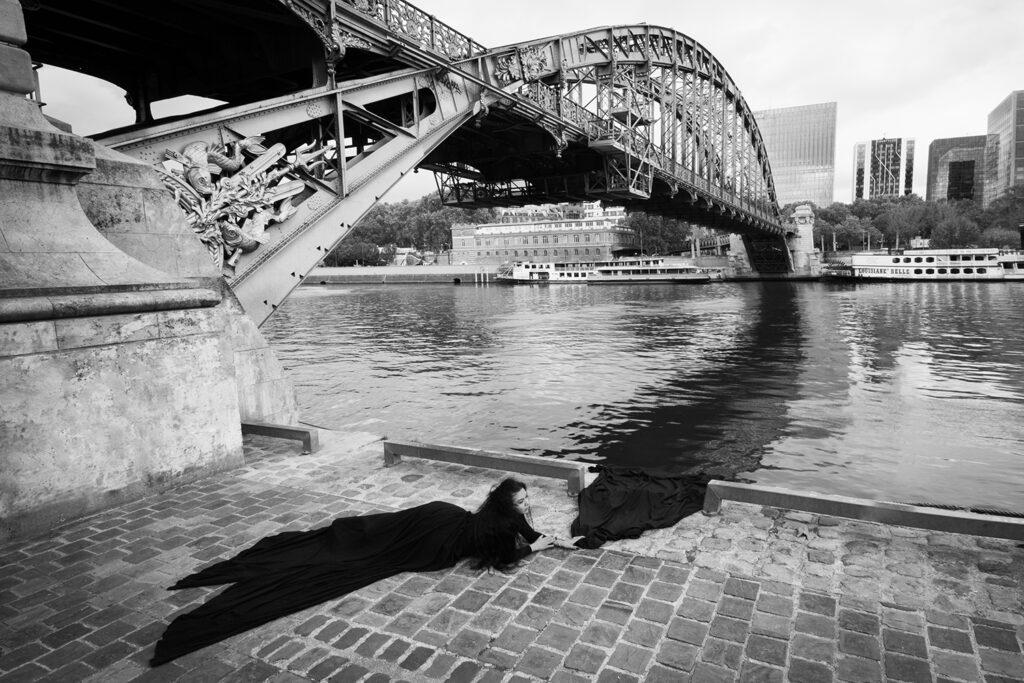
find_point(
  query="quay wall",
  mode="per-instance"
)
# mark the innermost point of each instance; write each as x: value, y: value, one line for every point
x: 126, y: 364
x: 401, y: 275
x: 126, y: 202
x: 101, y: 409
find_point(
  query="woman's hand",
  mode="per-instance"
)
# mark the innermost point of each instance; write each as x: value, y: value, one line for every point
x: 542, y: 543
x: 567, y: 544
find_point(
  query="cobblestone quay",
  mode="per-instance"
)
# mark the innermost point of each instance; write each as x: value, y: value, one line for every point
x: 754, y: 594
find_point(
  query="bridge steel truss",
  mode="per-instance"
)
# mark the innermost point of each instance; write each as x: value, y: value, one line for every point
x: 658, y: 107
x: 639, y: 115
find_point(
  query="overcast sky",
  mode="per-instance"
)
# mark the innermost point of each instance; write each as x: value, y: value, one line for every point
x: 924, y: 69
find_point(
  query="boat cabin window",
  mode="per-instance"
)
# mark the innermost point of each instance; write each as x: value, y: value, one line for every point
x: 929, y: 271
x: 917, y: 259
x: 906, y: 259
x: 930, y: 259
x: 991, y: 257
x: 954, y: 271
x: 979, y: 257
x: 954, y: 257
x: 942, y: 271
x: 896, y: 260
x: 968, y: 271
x: 982, y: 270
x: 917, y: 271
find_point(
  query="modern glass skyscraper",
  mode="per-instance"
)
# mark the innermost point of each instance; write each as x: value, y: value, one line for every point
x: 1004, y: 150
x: 801, y: 145
x: 956, y: 168
x: 883, y: 168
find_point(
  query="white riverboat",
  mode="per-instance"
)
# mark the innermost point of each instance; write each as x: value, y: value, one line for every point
x: 1012, y: 263
x: 931, y: 264
x: 648, y: 270
x: 630, y: 269
x: 530, y: 273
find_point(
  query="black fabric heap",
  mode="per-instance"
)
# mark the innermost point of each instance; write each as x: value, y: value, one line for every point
x: 624, y: 502
x: 294, y: 570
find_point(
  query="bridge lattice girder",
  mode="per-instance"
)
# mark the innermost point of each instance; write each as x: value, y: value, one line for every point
x: 639, y: 115
x: 660, y: 108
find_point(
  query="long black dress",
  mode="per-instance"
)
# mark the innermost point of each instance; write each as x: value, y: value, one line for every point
x: 294, y: 570
x: 624, y: 502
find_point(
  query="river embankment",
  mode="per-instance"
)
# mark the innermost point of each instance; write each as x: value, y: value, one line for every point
x: 442, y: 274
x: 355, y: 275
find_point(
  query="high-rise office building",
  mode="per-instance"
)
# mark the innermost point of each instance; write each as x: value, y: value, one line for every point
x: 883, y: 168
x: 956, y: 169
x: 1004, y: 150
x: 801, y: 145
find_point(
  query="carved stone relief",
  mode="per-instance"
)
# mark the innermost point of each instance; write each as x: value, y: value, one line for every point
x: 231, y: 193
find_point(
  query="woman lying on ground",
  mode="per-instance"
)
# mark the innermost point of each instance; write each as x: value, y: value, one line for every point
x: 294, y: 570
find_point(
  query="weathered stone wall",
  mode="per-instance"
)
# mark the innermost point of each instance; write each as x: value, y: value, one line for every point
x: 101, y: 409
x: 265, y: 394
x: 117, y: 369
x: 128, y: 204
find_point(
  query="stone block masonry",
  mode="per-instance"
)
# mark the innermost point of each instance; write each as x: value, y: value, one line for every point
x: 89, y: 602
x: 125, y: 368
x: 99, y: 410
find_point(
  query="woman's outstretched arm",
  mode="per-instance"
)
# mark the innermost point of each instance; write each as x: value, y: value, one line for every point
x: 538, y: 541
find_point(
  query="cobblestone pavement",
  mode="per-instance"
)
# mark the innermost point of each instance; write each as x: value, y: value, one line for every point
x: 754, y: 594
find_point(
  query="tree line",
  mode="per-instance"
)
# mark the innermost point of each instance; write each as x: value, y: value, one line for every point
x: 424, y: 224
x: 894, y: 221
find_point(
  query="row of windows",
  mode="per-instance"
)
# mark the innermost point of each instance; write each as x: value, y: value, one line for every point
x: 952, y: 257
x: 533, y: 219
x: 926, y: 271
x: 544, y: 252
x: 540, y: 239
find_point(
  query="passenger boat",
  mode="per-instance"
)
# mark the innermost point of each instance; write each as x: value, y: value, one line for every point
x: 530, y: 273
x: 929, y: 265
x: 1012, y: 263
x: 648, y: 270
x: 638, y: 269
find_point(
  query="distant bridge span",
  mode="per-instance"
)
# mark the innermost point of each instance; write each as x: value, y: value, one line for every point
x: 638, y: 115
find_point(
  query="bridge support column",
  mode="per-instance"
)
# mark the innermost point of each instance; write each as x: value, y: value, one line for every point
x: 806, y: 261
x: 114, y: 378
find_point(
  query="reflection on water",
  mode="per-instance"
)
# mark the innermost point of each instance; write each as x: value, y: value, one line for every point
x: 909, y: 392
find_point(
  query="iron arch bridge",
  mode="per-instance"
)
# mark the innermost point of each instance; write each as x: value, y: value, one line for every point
x: 327, y: 104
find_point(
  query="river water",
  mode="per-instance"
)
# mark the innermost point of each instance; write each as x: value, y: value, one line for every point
x: 908, y: 392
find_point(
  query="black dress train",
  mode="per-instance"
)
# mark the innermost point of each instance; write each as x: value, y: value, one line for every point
x: 294, y: 570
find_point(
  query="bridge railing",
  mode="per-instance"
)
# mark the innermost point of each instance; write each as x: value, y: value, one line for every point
x: 410, y: 21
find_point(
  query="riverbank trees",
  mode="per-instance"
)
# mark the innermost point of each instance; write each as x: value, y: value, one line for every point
x: 659, y: 235
x: 424, y: 224
x: 894, y: 221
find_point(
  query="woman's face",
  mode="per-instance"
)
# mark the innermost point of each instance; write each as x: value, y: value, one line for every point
x: 520, y: 502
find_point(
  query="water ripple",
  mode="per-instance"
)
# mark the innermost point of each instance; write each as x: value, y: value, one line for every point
x: 906, y: 392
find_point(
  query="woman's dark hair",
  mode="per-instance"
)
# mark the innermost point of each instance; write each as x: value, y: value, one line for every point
x: 499, y: 501
x: 494, y: 526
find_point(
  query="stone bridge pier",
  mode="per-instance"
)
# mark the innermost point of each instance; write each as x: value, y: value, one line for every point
x: 126, y: 364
